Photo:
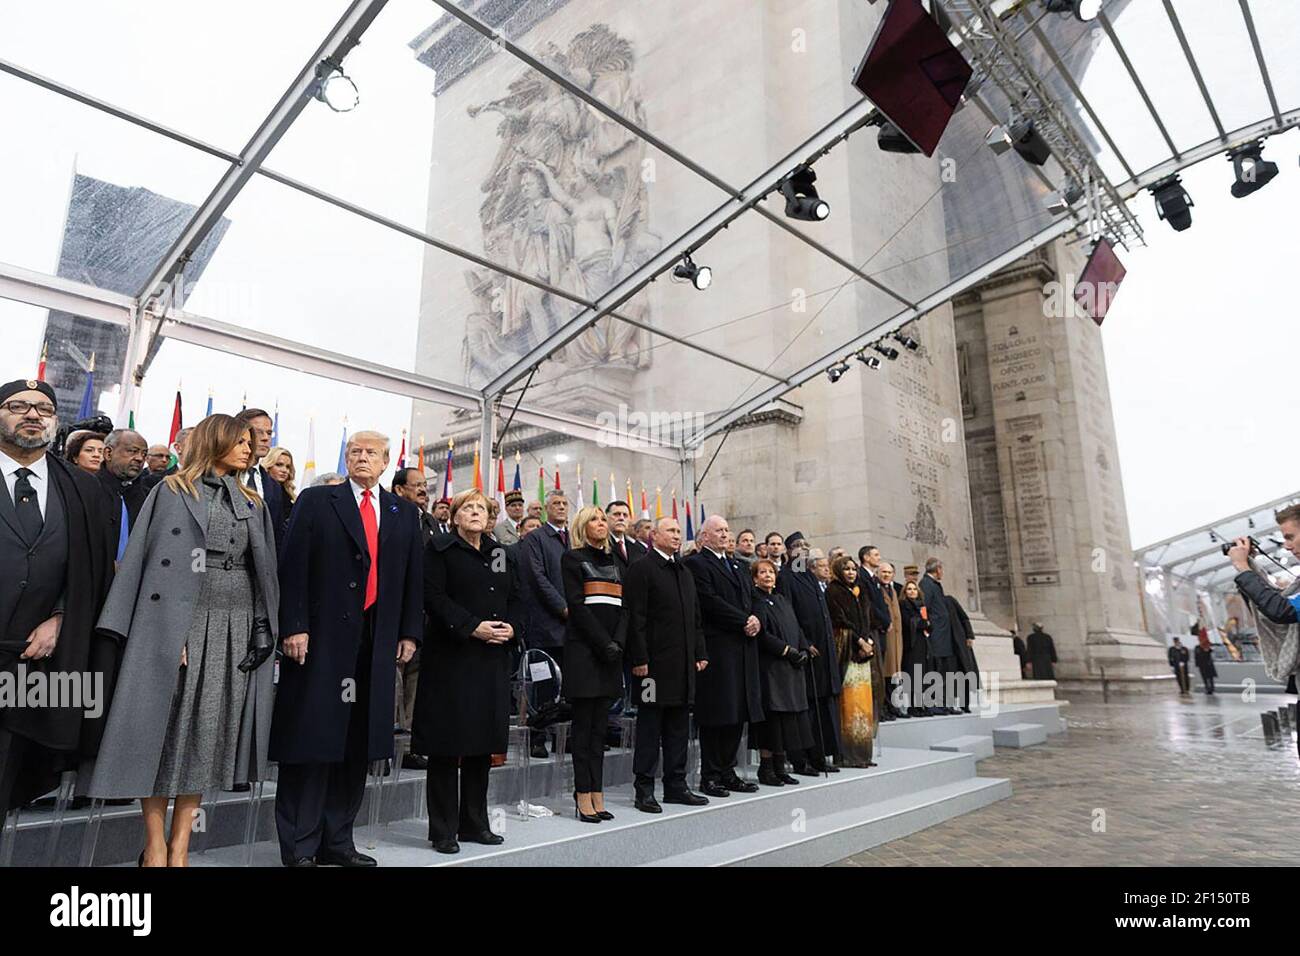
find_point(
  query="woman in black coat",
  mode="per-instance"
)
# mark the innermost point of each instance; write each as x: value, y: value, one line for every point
x: 782, y: 656
x: 593, y: 655
x: 916, y: 634
x: 1204, y: 656
x: 462, y: 704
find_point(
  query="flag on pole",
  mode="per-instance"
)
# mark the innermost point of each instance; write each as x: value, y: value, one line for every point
x: 580, y: 504
x: 674, y: 502
x: 613, y: 489
x: 645, y: 510
x: 541, y: 483
x: 701, y: 504
x: 342, y: 468
x: 595, y: 492
x: 209, y: 410
x: 478, y: 472
x: 659, y: 503
x: 177, y: 417
x: 309, y: 466
x: 447, y: 488
x: 421, y: 453
x: 518, y: 484
x: 557, y: 476
x: 275, y: 426
x: 690, y: 530
x: 40, y: 369
x: 130, y: 419
x: 88, y: 396
x: 629, y: 498
x: 243, y: 402
x: 501, y: 482
x: 401, y: 455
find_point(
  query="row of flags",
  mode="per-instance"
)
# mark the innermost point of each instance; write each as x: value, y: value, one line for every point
x: 88, y: 408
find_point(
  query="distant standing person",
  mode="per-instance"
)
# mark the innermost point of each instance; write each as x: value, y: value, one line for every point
x: 1205, y: 662
x: 1042, y: 654
x: 1178, y: 658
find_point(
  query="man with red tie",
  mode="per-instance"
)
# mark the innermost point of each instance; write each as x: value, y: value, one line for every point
x: 351, y: 583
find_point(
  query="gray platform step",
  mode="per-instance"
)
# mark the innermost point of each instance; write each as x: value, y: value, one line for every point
x: 978, y: 744
x: 922, y: 732
x: 905, y: 780
x: 1020, y: 735
x: 835, y: 836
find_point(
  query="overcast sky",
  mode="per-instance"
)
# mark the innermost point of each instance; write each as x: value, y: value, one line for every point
x: 1190, y: 341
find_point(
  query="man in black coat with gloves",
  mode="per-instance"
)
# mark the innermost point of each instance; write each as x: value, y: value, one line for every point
x: 665, y: 646
x: 731, y: 690
x: 351, y: 608
x: 57, y: 540
x: 806, y: 591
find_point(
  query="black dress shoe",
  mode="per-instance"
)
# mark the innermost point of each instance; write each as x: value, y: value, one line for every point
x: 348, y: 858
x: 538, y: 750
x: 769, y: 778
x: 300, y: 862
x: 689, y: 798
x: 711, y: 789
x: 446, y: 846
x: 486, y: 837
x: 787, y: 779
x: 902, y: 714
x: 805, y: 770
x: 415, y: 762
x: 647, y: 805
x: 736, y: 785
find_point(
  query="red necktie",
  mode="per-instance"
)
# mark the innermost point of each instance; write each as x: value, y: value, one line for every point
x: 371, y: 526
x: 622, y: 546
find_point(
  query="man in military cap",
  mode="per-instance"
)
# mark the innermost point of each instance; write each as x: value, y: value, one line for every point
x: 56, y: 565
x: 507, y: 529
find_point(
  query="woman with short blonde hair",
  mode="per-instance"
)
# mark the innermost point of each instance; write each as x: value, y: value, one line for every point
x: 578, y: 529
x: 279, y: 465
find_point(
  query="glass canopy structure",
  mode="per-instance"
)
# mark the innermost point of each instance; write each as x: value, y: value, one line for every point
x: 253, y: 219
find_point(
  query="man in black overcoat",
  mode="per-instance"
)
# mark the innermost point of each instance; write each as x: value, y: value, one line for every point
x: 666, y: 648
x: 622, y: 544
x: 546, y: 611
x: 121, y: 477
x: 258, y: 478
x: 807, y: 594
x: 731, y: 690
x: 1042, y: 653
x: 57, y: 540
x: 964, y: 637
x: 942, y: 654
x: 351, y: 608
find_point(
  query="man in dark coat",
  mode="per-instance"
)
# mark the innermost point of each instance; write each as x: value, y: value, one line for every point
x: 121, y: 476
x: 964, y: 637
x: 624, y: 547
x: 731, y: 690
x: 57, y: 542
x: 258, y: 478
x: 1178, y: 660
x: 878, y: 621
x: 351, y: 608
x: 666, y: 647
x: 1042, y: 654
x: 942, y: 655
x: 806, y: 591
x: 410, y: 483
x: 546, y: 611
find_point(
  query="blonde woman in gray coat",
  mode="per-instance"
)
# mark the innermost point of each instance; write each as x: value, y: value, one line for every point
x: 196, y: 603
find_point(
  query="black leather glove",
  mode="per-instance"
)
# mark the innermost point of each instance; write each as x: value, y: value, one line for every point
x: 797, y: 658
x: 612, y: 653
x: 261, y: 643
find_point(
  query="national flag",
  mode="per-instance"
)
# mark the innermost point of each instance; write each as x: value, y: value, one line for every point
x: 629, y: 493
x: 690, y: 530
x: 645, y: 510
x: 541, y: 483
x: 501, y: 482
x: 580, y: 504
x: 595, y: 492
x: 342, y: 468
x: 659, y: 503
x: 478, y: 472
x: 421, y: 453
x: 674, y: 502
x: 243, y: 404
x: 557, y: 476
x: 518, y: 486
x: 275, y: 426
x: 401, y: 455
x: 613, y: 488
x: 447, y: 488
x: 309, y: 466
x: 130, y: 419
x: 40, y: 369
x: 88, y: 396
x: 176, y: 417
x: 209, y: 410
x: 701, y: 504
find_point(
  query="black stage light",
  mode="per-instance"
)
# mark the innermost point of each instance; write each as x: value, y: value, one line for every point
x: 870, y: 361
x: 888, y: 351
x: 836, y: 372
x: 1083, y: 10
x: 1252, y: 170
x: 1028, y: 142
x: 801, y: 200
x: 699, y: 276
x: 1173, y: 204
x: 906, y: 341
x: 891, y: 140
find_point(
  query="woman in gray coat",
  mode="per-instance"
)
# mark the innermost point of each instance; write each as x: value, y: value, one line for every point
x: 195, y: 602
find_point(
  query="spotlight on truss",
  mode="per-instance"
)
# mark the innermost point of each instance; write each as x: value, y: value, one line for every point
x: 836, y: 372
x: 1173, y: 204
x: 801, y: 199
x: 906, y: 341
x: 888, y: 351
x: 1061, y: 200
x: 891, y: 140
x: 335, y: 88
x: 687, y: 271
x: 1252, y: 170
x: 870, y: 361
x: 1083, y: 10
x: 1028, y: 142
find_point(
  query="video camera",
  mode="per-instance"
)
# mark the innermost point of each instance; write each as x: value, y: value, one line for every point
x: 1254, y: 546
x: 95, y: 423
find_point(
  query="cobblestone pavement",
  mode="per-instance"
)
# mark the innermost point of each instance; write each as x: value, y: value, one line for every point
x: 1188, y: 782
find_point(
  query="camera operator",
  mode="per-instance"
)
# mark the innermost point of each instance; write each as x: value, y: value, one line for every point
x: 1272, y: 603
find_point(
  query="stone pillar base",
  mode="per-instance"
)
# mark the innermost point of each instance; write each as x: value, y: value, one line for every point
x: 1129, y: 661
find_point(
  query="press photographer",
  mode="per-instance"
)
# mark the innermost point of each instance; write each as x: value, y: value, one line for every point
x: 1277, y: 606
